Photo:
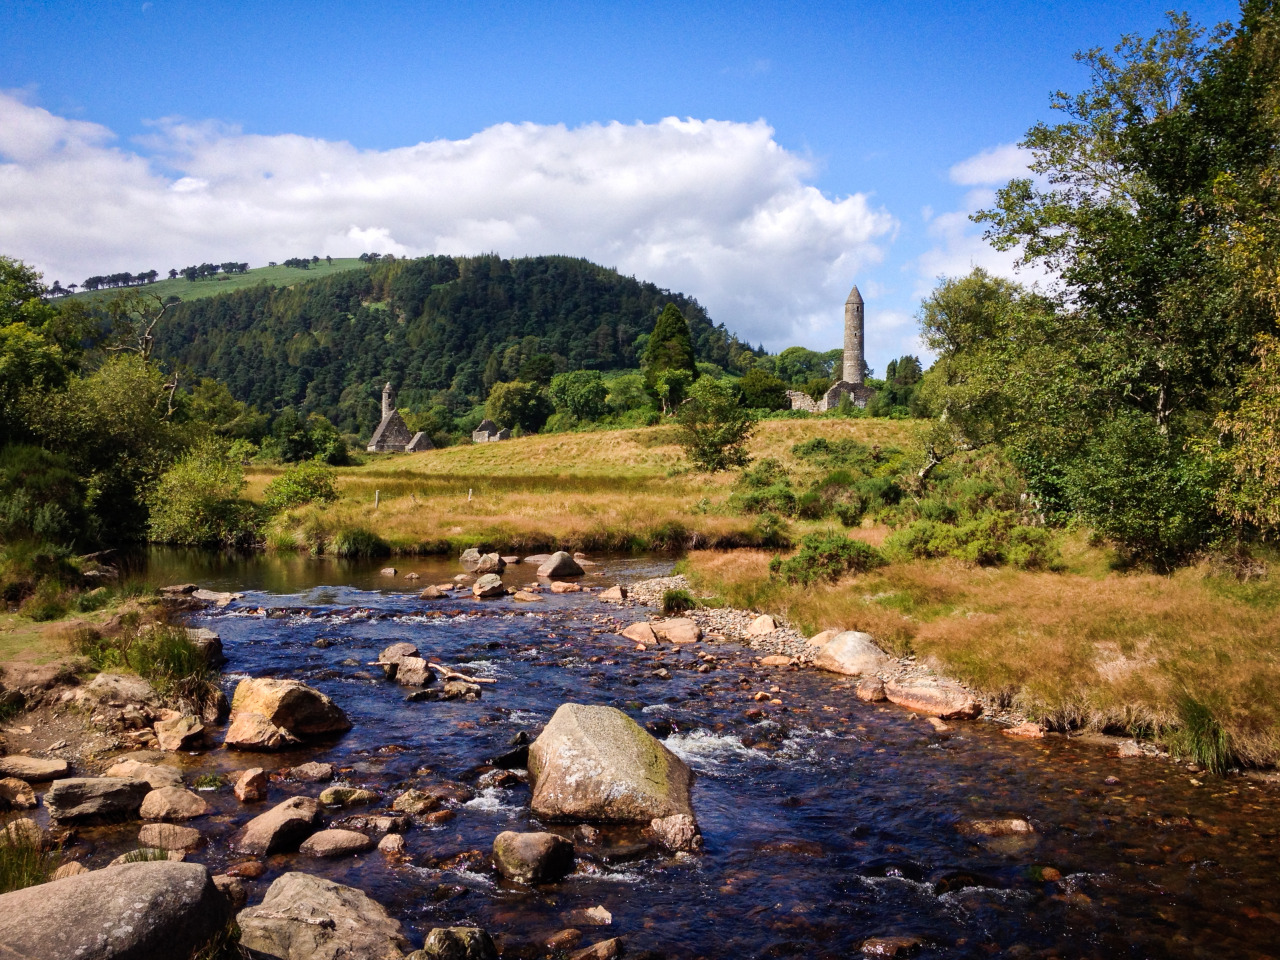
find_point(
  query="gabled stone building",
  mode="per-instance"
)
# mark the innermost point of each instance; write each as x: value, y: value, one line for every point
x: 489, y: 432
x: 392, y: 434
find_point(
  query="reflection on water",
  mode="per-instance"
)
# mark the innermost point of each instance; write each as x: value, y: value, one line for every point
x: 826, y: 820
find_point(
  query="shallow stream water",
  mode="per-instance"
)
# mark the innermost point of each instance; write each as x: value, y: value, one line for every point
x: 826, y: 820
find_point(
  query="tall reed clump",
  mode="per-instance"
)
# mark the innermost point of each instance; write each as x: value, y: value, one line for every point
x: 677, y: 601
x: 358, y: 542
x: 24, y: 861
x: 1200, y: 736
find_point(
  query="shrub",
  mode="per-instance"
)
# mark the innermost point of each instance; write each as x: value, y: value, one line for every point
x: 677, y: 601
x: 307, y: 482
x: 993, y: 539
x: 48, y: 601
x: 826, y: 556
x: 358, y: 542
x: 197, y: 502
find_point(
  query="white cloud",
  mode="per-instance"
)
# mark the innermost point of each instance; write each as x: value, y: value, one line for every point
x: 993, y: 166
x: 958, y: 245
x: 716, y: 209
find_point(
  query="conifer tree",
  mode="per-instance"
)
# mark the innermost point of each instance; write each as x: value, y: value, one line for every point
x: 670, y: 347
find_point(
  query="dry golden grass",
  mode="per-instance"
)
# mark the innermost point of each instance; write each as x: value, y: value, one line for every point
x: 1075, y: 648
x: 618, y: 489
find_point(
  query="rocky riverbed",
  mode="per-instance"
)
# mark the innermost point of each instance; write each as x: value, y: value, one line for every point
x: 819, y: 822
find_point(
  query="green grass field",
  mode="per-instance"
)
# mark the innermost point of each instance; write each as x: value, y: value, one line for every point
x: 224, y: 283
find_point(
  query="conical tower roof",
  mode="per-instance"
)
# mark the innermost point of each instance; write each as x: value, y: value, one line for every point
x: 854, y: 295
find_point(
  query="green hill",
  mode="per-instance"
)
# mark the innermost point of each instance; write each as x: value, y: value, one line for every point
x: 227, y: 282
x: 442, y: 329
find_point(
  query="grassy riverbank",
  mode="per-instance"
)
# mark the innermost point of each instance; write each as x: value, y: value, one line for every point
x: 1184, y: 658
x: 626, y: 490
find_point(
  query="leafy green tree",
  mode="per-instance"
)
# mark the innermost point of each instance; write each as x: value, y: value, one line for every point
x: 581, y: 393
x: 518, y: 404
x: 539, y: 369
x: 669, y: 347
x: 763, y: 391
x: 114, y: 428
x: 713, y: 427
x: 671, y: 388
x: 294, y: 439
x: 627, y: 393
x: 1248, y: 446
x: 198, y: 501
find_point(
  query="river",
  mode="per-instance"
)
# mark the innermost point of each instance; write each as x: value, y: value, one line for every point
x: 826, y: 820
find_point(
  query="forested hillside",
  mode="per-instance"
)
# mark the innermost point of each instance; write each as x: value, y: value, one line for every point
x: 442, y: 329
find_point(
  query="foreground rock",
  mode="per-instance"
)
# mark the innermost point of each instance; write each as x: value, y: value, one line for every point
x: 678, y: 630
x: 168, y: 836
x: 851, y: 653
x: 133, y: 911
x: 181, y: 733
x: 95, y: 799
x: 335, y: 843
x: 532, y: 857
x: 282, y: 827
x: 172, y: 803
x: 267, y: 714
x: 250, y: 785
x: 640, y: 633
x: 16, y: 794
x: 490, y: 585
x: 560, y: 564
x: 935, y: 697
x: 456, y: 943
x: 596, y: 763
x: 678, y: 833
x: 157, y: 775
x: 32, y: 769
x: 307, y: 918
x: 209, y: 644
x: 121, y: 689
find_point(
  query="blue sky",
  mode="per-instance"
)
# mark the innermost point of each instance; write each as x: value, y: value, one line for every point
x: 151, y: 124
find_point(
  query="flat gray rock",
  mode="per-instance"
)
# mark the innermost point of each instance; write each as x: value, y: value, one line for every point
x: 136, y: 911
x: 32, y: 769
x: 95, y: 799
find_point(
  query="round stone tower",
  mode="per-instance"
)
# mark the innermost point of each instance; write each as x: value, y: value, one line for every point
x: 854, y: 356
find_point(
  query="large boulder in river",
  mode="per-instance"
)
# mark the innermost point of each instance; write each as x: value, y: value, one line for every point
x: 291, y: 710
x: 283, y: 827
x: 934, y: 696
x: 560, y: 564
x: 596, y: 763
x: 130, y: 912
x: 157, y: 775
x: 95, y: 799
x: 308, y: 918
x: 851, y: 653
